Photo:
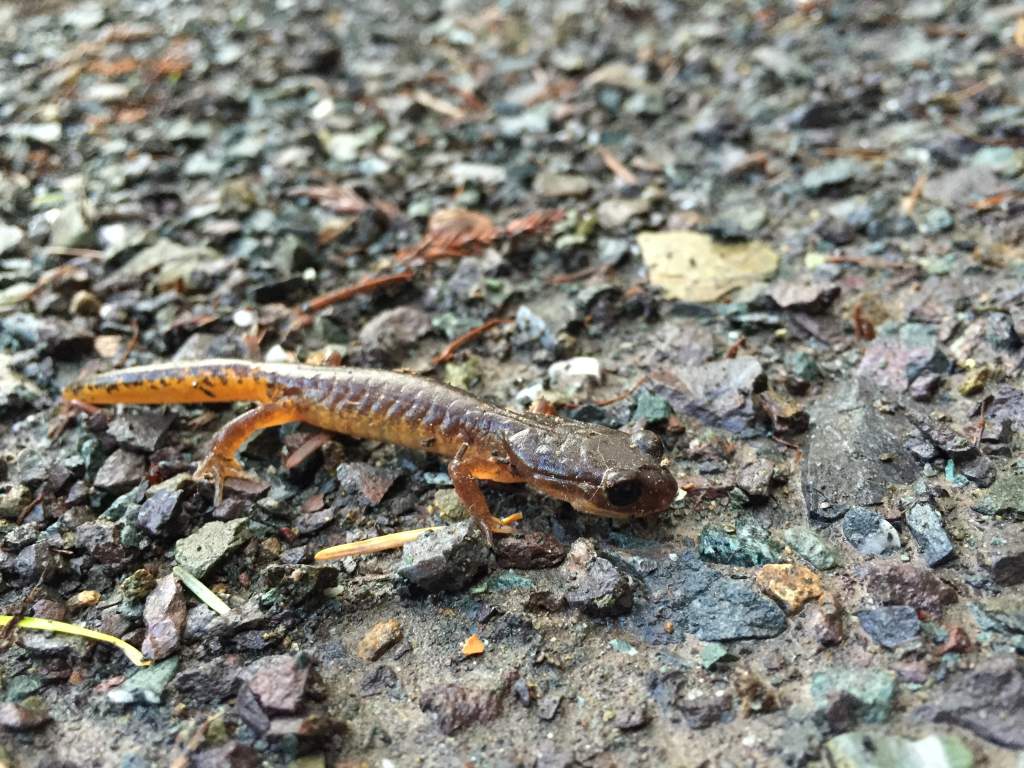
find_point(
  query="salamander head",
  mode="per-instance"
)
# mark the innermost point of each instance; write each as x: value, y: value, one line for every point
x: 596, y: 469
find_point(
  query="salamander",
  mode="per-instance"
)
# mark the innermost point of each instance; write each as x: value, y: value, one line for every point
x: 596, y: 469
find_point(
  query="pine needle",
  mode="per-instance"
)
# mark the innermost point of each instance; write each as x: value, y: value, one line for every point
x: 368, y: 546
x: 49, y: 625
x: 200, y: 590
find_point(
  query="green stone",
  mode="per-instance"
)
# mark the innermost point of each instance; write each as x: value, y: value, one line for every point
x: 806, y: 543
x: 202, y: 551
x: 875, y: 750
x: 621, y: 646
x: 711, y: 654
x: 651, y: 409
x: 748, y: 547
x: 463, y: 375
x: 449, y: 506
x: 1005, y: 496
x: 146, y: 685
x: 20, y: 686
x: 873, y: 690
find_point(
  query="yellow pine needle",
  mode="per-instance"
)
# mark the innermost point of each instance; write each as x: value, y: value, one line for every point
x: 368, y: 546
x: 386, y: 542
x: 49, y: 625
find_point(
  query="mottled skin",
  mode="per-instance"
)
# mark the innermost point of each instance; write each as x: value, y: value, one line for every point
x: 598, y: 470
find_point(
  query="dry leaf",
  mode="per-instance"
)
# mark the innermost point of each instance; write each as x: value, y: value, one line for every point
x: 691, y: 266
x: 452, y: 233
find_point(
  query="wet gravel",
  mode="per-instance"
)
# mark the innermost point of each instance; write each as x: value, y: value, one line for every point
x: 784, y: 236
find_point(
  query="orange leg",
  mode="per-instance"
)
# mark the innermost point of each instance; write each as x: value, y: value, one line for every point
x: 222, y: 462
x: 466, y: 486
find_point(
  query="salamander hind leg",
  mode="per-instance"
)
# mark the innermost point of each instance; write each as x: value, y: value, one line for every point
x: 222, y: 462
x: 468, y: 489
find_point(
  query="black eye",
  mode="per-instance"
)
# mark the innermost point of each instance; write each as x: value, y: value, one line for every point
x: 624, y: 492
x: 648, y: 442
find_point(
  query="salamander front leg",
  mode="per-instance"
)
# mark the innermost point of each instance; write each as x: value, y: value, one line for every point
x: 468, y: 489
x: 222, y: 463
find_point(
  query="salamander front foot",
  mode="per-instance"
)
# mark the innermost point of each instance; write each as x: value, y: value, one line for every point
x: 217, y: 469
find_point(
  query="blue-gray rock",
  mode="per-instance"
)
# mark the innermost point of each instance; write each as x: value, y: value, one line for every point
x: 447, y: 559
x: 925, y: 523
x: 891, y: 626
x: 935, y: 221
x: 715, y: 607
x: 870, y: 533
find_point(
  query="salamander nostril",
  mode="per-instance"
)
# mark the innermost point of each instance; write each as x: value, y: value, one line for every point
x: 647, y: 442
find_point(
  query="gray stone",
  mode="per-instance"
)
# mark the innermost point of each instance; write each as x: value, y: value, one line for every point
x: 870, y: 533
x: 892, y: 625
x: 560, y: 185
x: 1005, y: 161
x: 841, y: 465
x: 447, y: 559
x: 157, y: 514
x: 597, y: 586
x: 755, y: 479
x: 718, y: 393
x: 73, y: 227
x: 962, y: 187
x: 1004, y: 497
x: 10, y: 238
x: 121, y: 470
x: 164, y: 615
x: 925, y: 523
x: 987, y: 700
x: 831, y: 174
x: 14, y: 717
x: 279, y: 682
x: 203, y: 550
x: 140, y: 429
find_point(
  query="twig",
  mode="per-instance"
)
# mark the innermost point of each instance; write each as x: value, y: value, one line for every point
x: 908, y: 203
x: 363, y: 286
x: 129, y: 346
x: 449, y: 352
x: 616, y: 166
x: 305, y: 450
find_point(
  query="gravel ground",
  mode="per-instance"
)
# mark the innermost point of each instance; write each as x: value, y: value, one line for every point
x: 785, y: 236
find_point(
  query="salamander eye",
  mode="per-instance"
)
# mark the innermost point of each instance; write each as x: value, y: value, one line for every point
x: 647, y: 442
x: 622, y: 489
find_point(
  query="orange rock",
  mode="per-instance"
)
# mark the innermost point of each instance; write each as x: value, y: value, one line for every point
x: 790, y: 584
x: 473, y: 646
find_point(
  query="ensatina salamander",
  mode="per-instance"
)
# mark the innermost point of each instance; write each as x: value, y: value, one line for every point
x: 596, y: 469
